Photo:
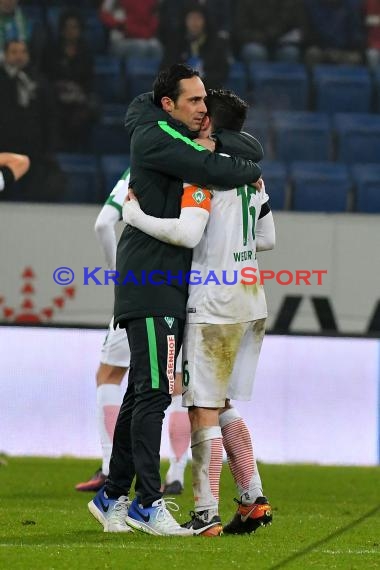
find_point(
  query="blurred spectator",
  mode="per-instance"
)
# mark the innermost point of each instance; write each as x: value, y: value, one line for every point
x: 269, y: 29
x: 333, y: 31
x: 171, y: 14
x: 15, y: 25
x: 372, y: 23
x: 133, y: 27
x: 68, y: 64
x: 27, y: 122
x: 195, y: 45
x: 218, y: 13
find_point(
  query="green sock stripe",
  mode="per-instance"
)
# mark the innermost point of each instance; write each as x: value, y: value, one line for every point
x: 154, y: 371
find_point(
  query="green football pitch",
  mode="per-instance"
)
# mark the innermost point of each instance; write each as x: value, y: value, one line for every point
x: 323, y: 517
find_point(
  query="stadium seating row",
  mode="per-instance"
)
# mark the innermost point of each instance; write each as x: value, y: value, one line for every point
x: 285, y: 135
x: 95, y: 33
x: 323, y: 186
x: 298, y: 186
x: 90, y: 179
x: 269, y: 85
x: 306, y: 135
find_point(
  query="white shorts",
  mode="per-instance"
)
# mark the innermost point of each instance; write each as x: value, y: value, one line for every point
x: 219, y: 362
x: 115, y: 350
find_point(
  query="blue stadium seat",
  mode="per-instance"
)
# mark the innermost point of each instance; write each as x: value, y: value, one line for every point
x: 320, y: 186
x: 279, y: 85
x: 367, y: 187
x: 34, y: 12
x: 301, y: 136
x: 358, y: 137
x: 376, y: 80
x: 88, y: 13
x: 95, y: 34
x: 258, y: 125
x: 140, y: 74
x: 109, y: 135
x: 112, y: 167
x: 237, y: 79
x: 82, y: 175
x: 53, y: 13
x: 275, y: 177
x: 36, y: 16
x: 94, y: 31
x: 342, y: 88
x: 109, y: 82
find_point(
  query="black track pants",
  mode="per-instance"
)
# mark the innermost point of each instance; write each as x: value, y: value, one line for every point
x: 154, y: 343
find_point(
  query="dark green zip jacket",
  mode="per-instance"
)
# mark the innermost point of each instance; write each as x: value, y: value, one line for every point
x: 162, y: 157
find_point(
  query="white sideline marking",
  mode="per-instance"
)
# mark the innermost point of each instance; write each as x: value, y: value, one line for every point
x: 350, y: 551
x: 171, y: 547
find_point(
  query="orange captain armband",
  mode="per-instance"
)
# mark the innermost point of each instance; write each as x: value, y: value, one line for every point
x: 195, y: 197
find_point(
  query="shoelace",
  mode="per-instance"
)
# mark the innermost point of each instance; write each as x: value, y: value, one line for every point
x: 121, y: 508
x: 163, y: 514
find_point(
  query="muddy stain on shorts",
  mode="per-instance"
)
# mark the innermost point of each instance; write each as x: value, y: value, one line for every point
x: 251, y: 289
x: 259, y: 329
x: 221, y: 344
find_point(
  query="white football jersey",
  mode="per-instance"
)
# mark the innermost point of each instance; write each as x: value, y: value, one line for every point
x: 119, y: 192
x: 225, y: 282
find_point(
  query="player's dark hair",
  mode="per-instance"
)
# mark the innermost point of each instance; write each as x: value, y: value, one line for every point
x: 167, y: 81
x: 225, y: 109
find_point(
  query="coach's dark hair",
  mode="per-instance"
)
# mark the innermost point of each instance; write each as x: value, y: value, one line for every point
x: 225, y: 109
x: 167, y: 81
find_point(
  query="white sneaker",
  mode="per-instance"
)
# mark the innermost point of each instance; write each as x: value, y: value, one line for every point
x: 156, y: 519
x: 116, y: 521
x: 111, y: 513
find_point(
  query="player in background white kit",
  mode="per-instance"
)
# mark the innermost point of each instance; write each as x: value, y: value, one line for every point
x: 224, y: 329
x: 114, y: 363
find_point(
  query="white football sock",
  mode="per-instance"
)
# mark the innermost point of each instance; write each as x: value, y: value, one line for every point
x: 109, y: 398
x: 207, y: 451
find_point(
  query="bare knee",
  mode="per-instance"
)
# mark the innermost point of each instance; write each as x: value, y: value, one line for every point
x: 109, y: 374
x: 203, y: 417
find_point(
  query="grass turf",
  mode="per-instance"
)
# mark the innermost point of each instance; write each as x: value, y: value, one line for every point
x: 324, y: 517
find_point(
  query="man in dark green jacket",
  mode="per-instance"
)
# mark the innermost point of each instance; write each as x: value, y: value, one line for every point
x: 151, y: 294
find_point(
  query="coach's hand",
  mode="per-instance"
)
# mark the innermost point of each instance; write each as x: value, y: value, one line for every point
x: 258, y: 184
x: 131, y: 206
x: 130, y: 196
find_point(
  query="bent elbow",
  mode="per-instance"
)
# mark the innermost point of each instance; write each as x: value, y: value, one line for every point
x: 25, y: 162
x: 100, y: 227
x: 192, y: 242
x: 271, y: 244
x: 266, y: 245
